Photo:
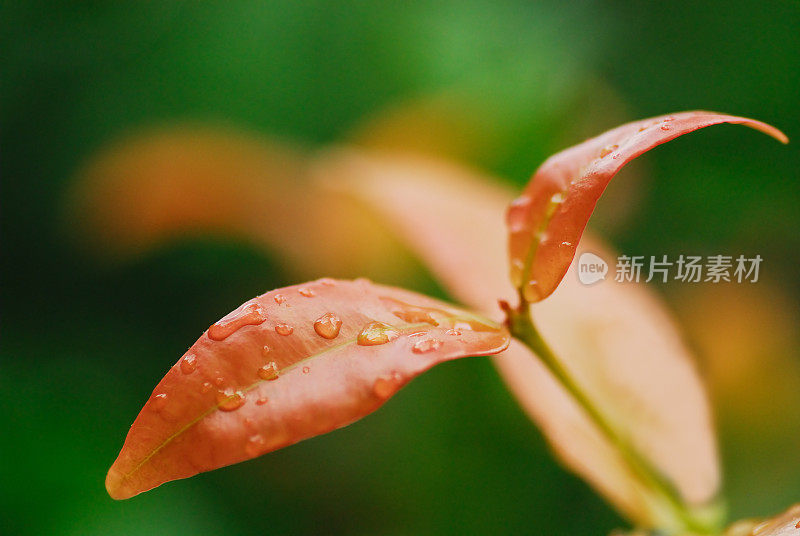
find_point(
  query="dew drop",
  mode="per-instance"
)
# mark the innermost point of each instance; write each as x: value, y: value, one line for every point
x: 269, y: 371
x: 283, y: 329
x: 328, y: 325
x: 411, y: 313
x: 608, y: 149
x: 426, y: 345
x: 306, y: 370
x: 418, y: 334
x: 665, y: 127
x: 279, y: 298
x: 219, y: 380
x: 188, y: 363
x: 261, y: 401
x: 206, y: 387
x: 327, y: 281
x: 265, y: 350
x: 158, y: 402
x: 385, y: 386
x: 255, y: 445
x: 229, y: 400
x: 453, y: 332
x: 518, y: 214
x: 249, y: 315
x: 376, y: 333
x: 566, y: 244
x: 307, y: 292
x: 557, y: 198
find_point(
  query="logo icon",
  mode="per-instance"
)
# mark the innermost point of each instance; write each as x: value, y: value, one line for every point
x: 591, y: 268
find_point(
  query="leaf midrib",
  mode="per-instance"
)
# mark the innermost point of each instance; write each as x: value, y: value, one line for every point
x: 255, y: 384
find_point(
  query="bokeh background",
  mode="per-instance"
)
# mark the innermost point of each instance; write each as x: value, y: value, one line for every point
x: 90, y: 323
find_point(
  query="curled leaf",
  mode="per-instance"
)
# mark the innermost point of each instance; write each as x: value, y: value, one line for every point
x: 617, y: 339
x: 288, y: 365
x: 547, y: 221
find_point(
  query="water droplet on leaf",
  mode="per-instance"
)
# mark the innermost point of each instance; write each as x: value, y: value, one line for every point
x: 188, y: 363
x: 229, y: 400
x: 426, y: 345
x: 269, y: 371
x: 283, y: 329
x: 249, y: 315
x: 159, y: 402
x: 518, y: 213
x: 376, y: 333
x: 255, y: 445
x: 261, y: 401
x: 306, y: 370
x: 385, y: 386
x: 411, y: 313
x: 608, y: 149
x: 279, y: 298
x: 307, y: 292
x: 328, y: 326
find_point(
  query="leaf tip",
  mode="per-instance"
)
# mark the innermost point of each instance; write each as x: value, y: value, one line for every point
x: 116, y: 485
x: 769, y: 130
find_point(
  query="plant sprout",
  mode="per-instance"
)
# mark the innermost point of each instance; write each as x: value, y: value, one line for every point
x: 303, y: 360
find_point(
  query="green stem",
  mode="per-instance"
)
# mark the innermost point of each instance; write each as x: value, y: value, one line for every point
x: 685, y: 519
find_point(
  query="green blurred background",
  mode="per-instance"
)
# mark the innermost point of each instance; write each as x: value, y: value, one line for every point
x: 85, y: 339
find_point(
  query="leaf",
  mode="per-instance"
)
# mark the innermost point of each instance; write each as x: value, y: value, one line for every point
x: 547, y: 221
x: 617, y: 339
x: 288, y: 365
x: 159, y: 185
x: 785, y: 524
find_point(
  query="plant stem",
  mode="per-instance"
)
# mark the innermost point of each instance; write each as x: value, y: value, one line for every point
x: 684, y: 518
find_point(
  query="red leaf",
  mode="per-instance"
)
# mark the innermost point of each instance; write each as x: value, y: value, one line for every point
x: 288, y: 365
x: 547, y: 221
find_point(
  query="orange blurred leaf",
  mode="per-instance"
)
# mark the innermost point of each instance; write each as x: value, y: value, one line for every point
x: 547, y: 221
x: 288, y: 365
x: 160, y: 185
x: 616, y: 339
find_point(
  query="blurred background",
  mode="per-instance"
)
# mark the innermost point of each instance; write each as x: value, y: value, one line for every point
x: 120, y: 119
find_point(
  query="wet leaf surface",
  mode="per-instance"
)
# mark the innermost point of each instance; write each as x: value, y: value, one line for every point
x: 547, y: 221
x: 269, y: 374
